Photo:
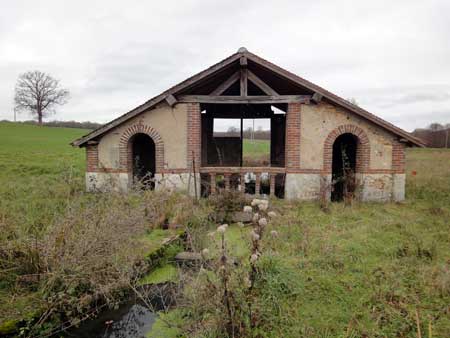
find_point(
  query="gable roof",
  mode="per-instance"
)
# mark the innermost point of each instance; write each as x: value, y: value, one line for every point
x: 260, y: 62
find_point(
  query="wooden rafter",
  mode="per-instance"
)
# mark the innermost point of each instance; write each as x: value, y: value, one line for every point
x: 230, y: 99
x: 171, y: 100
x: 261, y: 84
x: 244, y: 82
x: 227, y: 84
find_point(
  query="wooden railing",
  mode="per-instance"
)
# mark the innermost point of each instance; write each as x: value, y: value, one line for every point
x: 228, y: 172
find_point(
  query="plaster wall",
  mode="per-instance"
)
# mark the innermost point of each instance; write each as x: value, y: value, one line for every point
x: 318, y: 121
x: 171, y: 125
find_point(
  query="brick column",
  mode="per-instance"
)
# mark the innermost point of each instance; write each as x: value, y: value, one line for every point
x: 398, y: 157
x: 194, y: 134
x: 293, y: 136
x: 92, y: 157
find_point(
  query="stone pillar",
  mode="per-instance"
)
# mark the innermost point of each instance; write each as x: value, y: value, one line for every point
x: 227, y: 181
x: 258, y: 184
x: 242, y: 183
x: 272, y: 184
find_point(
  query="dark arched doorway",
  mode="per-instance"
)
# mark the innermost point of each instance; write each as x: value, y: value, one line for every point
x: 344, y: 166
x: 143, y: 160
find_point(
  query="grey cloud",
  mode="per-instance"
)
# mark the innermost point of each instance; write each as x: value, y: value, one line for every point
x: 113, y: 57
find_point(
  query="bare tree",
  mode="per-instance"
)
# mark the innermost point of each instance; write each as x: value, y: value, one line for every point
x: 38, y: 93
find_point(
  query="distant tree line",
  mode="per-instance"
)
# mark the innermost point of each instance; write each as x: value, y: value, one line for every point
x: 63, y: 124
x: 436, y: 135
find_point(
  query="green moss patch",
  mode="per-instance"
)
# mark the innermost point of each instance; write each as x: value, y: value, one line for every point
x: 163, y: 274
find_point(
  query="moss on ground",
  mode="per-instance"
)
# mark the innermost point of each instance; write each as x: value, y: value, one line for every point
x: 162, y: 274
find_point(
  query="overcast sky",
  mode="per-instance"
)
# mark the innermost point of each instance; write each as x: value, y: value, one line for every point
x: 393, y: 57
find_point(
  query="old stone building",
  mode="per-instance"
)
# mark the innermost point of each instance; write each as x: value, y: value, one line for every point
x: 319, y: 142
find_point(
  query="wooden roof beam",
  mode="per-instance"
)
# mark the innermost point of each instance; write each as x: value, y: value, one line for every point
x: 231, y: 99
x: 261, y: 84
x: 244, y: 82
x: 227, y: 84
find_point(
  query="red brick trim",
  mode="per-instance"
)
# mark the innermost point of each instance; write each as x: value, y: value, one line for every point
x: 125, y: 149
x: 362, y: 151
x: 305, y: 171
x: 293, y: 136
x: 194, y: 135
x: 92, y: 157
x: 398, y: 157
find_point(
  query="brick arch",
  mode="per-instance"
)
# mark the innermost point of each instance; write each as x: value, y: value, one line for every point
x: 126, y: 151
x: 362, y: 150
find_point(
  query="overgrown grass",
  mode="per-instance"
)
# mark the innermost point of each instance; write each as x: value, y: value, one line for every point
x: 369, y: 270
x: 65, y: 252
x: 366, y: 270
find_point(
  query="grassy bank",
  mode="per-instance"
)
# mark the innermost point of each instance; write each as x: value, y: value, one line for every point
x: 65, y: 253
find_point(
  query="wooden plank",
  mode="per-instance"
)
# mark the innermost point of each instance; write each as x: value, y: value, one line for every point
x: 230, y: 99
x: 316, y: 98
x: 244, y: 81
x: 171, y: 100
x: 241, y: 170
x: 261, y: 84
x: 227, y: 84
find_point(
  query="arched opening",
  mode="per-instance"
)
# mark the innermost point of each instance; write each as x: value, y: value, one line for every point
x: 344, y: 166
x: 143, y: 160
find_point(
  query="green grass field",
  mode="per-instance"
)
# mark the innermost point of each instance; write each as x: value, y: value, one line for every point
x: 369, y: 270
x: 256, y: 152
x: 31, y: 150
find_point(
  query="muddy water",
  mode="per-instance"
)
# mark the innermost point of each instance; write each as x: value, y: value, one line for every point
x: 131, y: 320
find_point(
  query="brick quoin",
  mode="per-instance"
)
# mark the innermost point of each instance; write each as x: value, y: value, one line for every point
x: 362, y: 149
x: 398, y: 158
x: 126, y: 149
x: 92, y: 157
x: 194, y: 137
x: 293, y: 136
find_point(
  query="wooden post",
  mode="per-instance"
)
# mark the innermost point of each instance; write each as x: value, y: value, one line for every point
x: 272, y: 184
x: 258, y: 184
x: 213, y: 183
x: 195, y: 177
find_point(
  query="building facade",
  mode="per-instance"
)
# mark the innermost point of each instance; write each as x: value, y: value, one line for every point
x: 319, y: 143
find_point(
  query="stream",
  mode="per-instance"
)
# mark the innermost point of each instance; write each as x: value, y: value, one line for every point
x: 130, y: 320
